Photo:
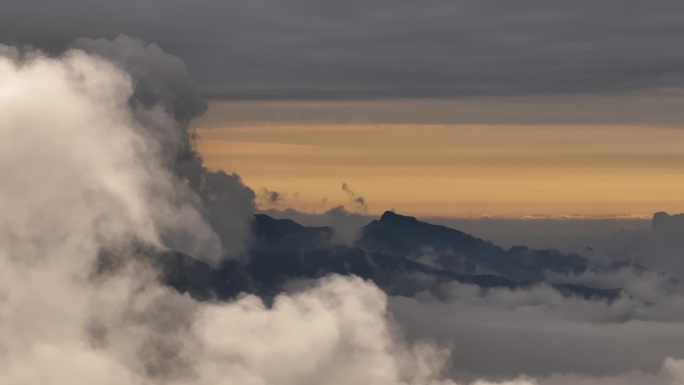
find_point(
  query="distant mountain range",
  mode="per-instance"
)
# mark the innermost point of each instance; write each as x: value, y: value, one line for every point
x: 401, y: 254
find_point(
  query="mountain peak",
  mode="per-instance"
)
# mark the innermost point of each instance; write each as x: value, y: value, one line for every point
x: 392, y: 217
x: 664, y: 221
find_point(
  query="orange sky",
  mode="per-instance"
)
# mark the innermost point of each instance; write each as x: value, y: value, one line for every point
x: 455, y: 169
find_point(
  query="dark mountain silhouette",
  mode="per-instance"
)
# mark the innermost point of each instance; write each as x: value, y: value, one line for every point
x: 457, y: 251
x: 663, y: 221
x: 286, y: 234
x: 400, y: 254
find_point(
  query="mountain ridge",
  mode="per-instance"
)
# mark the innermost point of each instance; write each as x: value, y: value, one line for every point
x: 401, y: 254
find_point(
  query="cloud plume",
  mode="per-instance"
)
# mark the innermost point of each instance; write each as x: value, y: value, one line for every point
x: 162, y: 86
x: 358, y: 201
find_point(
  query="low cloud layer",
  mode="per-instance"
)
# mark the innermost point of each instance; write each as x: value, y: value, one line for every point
x: 541, y: 333
x: 554, y: 337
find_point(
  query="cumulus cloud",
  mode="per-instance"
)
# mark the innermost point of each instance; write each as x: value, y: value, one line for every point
x: 85, y: 176
x: 163, y: 84
x: 80, y: 176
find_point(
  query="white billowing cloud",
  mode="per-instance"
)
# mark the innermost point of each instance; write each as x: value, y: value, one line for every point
x: 74, y: 159
x: 81, y: 178
x: 335, y: 333
x: 163, y: 82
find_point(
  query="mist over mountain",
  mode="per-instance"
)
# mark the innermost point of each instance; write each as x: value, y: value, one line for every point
x: 436, y: 276
x: 401, y: 254
x: 568, y: 234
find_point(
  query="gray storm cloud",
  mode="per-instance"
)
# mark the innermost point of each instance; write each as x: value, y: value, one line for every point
x: 374, y: 49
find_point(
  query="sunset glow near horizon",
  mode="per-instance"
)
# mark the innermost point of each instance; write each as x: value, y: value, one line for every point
x: 452, y: 170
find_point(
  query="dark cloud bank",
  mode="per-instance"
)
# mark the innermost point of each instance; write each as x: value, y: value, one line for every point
x: 306, y: 49
x: 123, y: 260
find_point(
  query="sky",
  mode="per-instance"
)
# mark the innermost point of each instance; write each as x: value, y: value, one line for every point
x: 464, y: 170
x: 140, y: 135
x: 451, y: 108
